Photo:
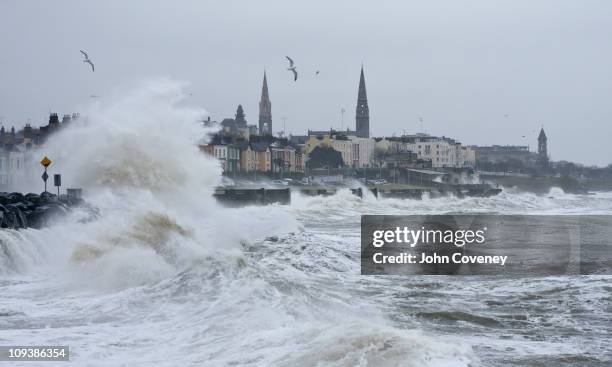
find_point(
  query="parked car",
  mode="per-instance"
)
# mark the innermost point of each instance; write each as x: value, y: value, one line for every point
x: 293, y: 182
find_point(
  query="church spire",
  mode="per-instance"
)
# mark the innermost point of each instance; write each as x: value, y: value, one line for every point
x: 362, y: 115
x: 362, y: 88
x: 542, y: 136
x: 265, y: 109
x: 543, y: 149
x: 240, y: 117
x: 264, y: 88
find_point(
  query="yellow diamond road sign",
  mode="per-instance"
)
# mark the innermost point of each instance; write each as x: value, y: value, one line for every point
x: 46, y: 162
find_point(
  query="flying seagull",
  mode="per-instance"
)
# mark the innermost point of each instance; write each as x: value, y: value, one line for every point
x: 87, y: 60
x: 292, y: 68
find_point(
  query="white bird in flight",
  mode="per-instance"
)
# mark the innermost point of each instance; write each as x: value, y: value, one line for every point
x: 292, y: 68
x: 87, y: 60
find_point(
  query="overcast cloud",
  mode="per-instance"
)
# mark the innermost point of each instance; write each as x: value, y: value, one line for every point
x: 460, y: 65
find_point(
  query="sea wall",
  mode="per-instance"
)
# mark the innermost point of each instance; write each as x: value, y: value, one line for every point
x: 33, y: 210
x: 543, y: 184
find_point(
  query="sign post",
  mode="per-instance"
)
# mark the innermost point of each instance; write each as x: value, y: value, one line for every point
x: 57, y: 182
x: 46, y: 162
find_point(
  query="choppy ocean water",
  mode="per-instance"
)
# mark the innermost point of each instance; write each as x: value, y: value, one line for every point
x: 291, y: 294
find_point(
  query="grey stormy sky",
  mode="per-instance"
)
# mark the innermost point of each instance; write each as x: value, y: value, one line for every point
x: 460, y: 65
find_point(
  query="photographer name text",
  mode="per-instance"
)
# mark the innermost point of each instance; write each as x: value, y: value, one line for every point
x: 404, y: 236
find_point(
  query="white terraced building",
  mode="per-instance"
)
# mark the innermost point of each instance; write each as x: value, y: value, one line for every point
x: 442, y: 151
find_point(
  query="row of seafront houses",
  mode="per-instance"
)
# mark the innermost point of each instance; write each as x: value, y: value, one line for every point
x: 241, y: 150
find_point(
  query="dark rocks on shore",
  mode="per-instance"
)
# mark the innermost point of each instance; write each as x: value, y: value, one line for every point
x: 33, y: 210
